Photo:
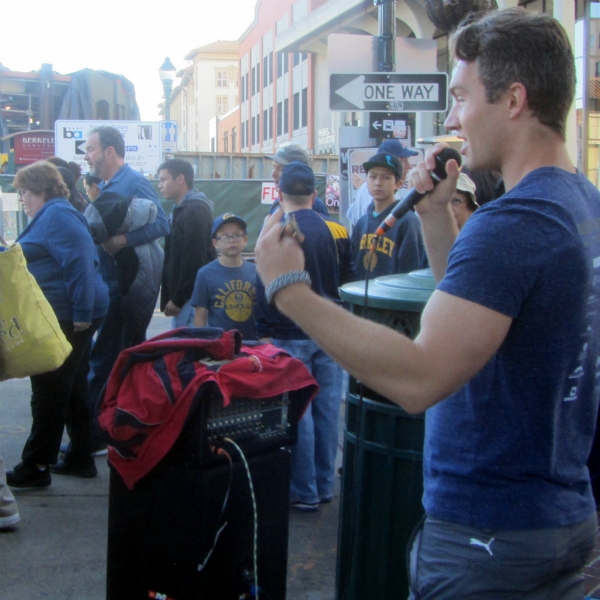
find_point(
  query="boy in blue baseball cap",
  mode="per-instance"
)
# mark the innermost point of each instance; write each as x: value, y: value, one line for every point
x: 225, y: 289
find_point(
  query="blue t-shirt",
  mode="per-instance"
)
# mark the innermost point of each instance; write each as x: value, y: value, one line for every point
x: 229, y: 294
x: 509, y: 450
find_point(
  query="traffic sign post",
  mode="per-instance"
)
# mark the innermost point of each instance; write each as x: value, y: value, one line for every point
x: 406, y: 92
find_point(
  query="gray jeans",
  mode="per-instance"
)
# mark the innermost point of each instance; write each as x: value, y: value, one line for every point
x: 454, y: 562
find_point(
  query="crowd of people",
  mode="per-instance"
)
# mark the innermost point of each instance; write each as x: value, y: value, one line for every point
x: 506, y: 364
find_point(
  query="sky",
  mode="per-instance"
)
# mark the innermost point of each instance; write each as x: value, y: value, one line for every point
x: 120, y: 36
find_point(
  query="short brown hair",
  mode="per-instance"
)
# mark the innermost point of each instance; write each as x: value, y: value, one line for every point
x: 513, y: 45
x: 41, y: 178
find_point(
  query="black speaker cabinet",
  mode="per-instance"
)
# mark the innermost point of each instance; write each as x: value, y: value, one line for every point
x: 161, y: 531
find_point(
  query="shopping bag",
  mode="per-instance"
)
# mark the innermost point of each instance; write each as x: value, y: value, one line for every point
x: 31, y: 340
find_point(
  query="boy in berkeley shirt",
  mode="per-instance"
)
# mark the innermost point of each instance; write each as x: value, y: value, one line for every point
x: 401, y: 249
x: 224, y: 293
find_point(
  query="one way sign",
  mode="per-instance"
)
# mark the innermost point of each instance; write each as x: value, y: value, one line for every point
x: 407, y: 92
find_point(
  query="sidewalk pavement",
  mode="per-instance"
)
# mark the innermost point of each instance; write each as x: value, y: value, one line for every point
x: 58, y: 551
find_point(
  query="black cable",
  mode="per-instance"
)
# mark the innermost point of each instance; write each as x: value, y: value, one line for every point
x: 220, y: 528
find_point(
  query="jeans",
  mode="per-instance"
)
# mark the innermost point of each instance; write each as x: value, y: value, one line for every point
x: 105, y: 351
x: 59, y: 398
x: 313, y: 457
x: 185, y: 318
x: 450, y: 561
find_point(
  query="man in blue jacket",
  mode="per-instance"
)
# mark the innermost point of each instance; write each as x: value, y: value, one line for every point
x: 105, y: 155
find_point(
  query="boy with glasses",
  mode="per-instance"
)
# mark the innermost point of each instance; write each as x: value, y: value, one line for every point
x: 225, y: 289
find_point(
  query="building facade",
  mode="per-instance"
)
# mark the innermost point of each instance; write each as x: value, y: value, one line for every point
x: 208, y: 89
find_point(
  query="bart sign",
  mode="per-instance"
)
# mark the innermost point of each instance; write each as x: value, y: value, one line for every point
x: 405, y: 92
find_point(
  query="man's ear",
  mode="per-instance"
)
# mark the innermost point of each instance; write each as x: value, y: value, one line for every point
x: 180, y: 179
x: 516, y: 99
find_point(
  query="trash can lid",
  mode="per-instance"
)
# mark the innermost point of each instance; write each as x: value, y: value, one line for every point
x: 405, y: 291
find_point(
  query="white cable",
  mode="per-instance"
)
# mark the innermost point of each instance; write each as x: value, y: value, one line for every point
x: 255, y: 513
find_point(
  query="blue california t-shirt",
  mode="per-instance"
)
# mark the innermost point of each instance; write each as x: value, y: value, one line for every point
x: 508, y: 451
x: 229, y: 294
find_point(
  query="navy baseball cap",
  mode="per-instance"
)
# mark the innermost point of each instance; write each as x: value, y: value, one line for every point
x: 289, y: 154
x: 396, y: 148
x: 388, y: 161
x: 228, y: 218
x: 297, y: 179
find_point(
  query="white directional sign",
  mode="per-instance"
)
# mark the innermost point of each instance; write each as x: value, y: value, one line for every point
x: 406, y: 92
x: 142, y: 142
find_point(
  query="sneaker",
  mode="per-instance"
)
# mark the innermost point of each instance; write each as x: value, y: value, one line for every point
x: 305, y: 506
x: 10, y: 521
x: 62, y: 468
x: 26, y: 476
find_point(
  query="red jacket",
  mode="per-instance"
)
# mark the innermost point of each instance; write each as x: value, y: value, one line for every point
x: 155, y: 386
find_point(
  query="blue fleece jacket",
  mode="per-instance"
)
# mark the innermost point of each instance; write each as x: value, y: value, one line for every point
x: 62, y: 257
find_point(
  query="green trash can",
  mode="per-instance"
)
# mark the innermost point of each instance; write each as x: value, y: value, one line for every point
x: 382, y: 476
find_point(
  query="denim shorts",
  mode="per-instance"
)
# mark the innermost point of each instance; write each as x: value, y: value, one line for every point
x: 455, y: 562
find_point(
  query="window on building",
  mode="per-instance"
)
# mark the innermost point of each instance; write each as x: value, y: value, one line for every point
x: 245, y: 134
x: 222, y: 80
x: 280, y: 59
x: 257, y: 77
x: 304, y: 56
x: 270, y: 119
x: 222, y: 104
x: 296, y: 111
x: 270, y: 67
x: 286, y: 63
x: 265, y: 71
x: 243, y: 88
x: 279, y: 118
x: 265, y: 125
x: 304, y: 107
x: 296, y: 58
x: 253, y: 80
x: 286, y: 115
x: 226, y: 141
x: 258, y: 129
x: 233, y: 139
x: 253, y: 130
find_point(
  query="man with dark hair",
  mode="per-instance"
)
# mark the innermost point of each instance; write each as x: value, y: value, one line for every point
x: 188, y: 246
x: 105, y: 155
x: 329, y: 264
x: 507, y: 361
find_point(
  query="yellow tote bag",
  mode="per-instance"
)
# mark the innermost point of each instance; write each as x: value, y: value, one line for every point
x: 31, y: 340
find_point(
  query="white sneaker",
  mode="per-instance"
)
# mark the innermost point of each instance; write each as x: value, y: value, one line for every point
x: 6, y: 522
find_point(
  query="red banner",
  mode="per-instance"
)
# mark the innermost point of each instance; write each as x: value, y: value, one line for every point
x: 31, y: 146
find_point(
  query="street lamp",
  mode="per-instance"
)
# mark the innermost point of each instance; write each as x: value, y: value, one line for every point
x: 167, y: 74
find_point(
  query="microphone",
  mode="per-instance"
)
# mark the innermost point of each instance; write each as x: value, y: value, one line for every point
x: 413, y: 197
